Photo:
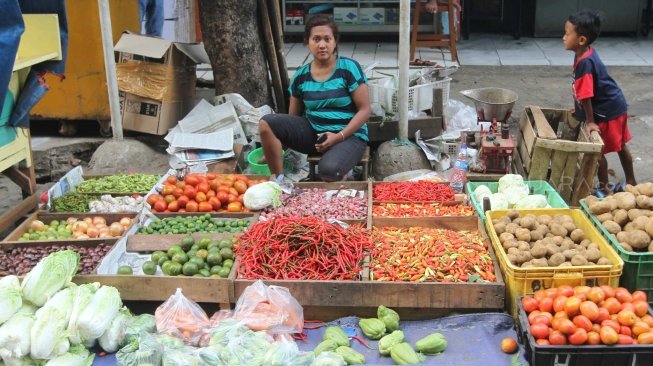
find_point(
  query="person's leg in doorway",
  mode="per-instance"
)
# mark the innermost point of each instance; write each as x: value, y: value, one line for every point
x: 151, y: 11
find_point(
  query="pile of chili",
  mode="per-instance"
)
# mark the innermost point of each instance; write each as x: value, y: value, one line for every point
x: 305, y: 248
x: 428, y: 254
x: 420, y: 210
x: 422, y: 190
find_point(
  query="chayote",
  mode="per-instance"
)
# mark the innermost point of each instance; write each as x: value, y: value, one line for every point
x: 390, y: 340
x: 373, y: 328
x: 337, y: 335
x: 404, y: 354
x: 432, y: 344
x: 350, y: 356
x: 389, y: 317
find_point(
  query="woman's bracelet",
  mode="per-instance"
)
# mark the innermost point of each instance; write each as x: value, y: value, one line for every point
x: 343, y: 136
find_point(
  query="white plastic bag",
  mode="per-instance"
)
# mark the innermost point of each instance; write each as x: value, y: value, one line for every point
x: 460, y: 116
x: 269, y: 308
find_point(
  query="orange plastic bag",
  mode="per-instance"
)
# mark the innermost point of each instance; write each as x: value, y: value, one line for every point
x: 269, y: 308
x: 182, y: 318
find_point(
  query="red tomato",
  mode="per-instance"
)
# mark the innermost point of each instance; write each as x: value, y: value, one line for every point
x: 623, y: 295
x: 542, y: 342
x: 640, y: 327
x: 173, y: 206
x: 581, y: 321
x: 532, y: 315
x: 612, y: 304
x: 627, y: 306
x: 566, y: 326
x: 559, y: 303
x: 596, y: 294
x: 192, y: 206
x: 590, y: 310
x: 204, y: 207
x: 214, y: 184
x: 181, y: 184
x: 626, y: 317
x: 233, y: 191
x: 210, y: 193
x: 151, y: 199
x: 556, y: 338
x: 182, y: 201
x: 232, y: 198
x: 572, y: 305
x: 624, y: 339
x: 578, y: 337
x: 167, y: 190
x: 177, y: 192
x: 551, y: 292
x: 211, y: 176
x: 539, y: 331
x: 566, y: 290
x: 612, y: 324
x: 542, y: 319
x: 223, y: 197
x: 200, y: 197
x: 546, y: 304
x: 639, y: 295
x: 191, y: 179
x: 608, y: 335
x: 625, y: 330
x: 215, y: 203
x: 645, y: 338
x: 240, y: 186
x: 593, y: 338
x: 648, y: 320
x: 171, y: 179
x: 604, y: 314
x: 190, y: 191
x: 160, y: 206
x: 509, y: 345
x: 203, y: 187
x: 609, y: 291
x: 234, y: 206
x: 581, y: 290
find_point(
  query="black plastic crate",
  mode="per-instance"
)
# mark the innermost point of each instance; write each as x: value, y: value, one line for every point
x: 585, y: 355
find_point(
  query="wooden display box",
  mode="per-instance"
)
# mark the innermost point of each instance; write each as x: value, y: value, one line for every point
x: 379, y: 131
x: 361, y: 186
x: 46, y: 217
x: 569, y: 163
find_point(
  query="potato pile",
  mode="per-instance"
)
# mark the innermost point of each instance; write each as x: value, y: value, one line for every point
x: 546, y: 241
x: 628, y: 215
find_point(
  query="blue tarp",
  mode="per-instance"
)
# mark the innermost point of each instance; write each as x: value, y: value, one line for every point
x: 473, y: 339
x: 11, y: 28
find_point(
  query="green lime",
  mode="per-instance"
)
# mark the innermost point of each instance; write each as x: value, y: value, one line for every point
x: 227, y: 224
x: 190, y: 268
x: 215, y: 275
x: 191, y: 253
x: 180, y: 258
x: 125, y: 270
x: 195, y: 247
x: 214, y: 250
x: 226, y: 253
x: 149, y: 268
x: 165, y: 267
x: 157, y: 255
x: 197, y: 260
x: 162, y: 259
x: 205, y: 272
x: 215, y: 269
x: 214, y: 258
x: 243, y: 223
x: 54, y: 223
x: 228, y: 263
x: 219, y: 223
x: 174, y: 269
x: 224, y: 272
x: 204, y: 243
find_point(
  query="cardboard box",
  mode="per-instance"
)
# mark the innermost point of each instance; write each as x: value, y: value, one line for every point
x: 345, y: 15
x: 371, y: 16
x: 156, y: 79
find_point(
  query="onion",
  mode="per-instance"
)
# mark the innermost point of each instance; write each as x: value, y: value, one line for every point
x: 71, y: 220
x: 83, y: 236
x: 92, y: 232
x: 116, y: 229
x: 80, y: 226
x: 77, y: 234
x: 105, y: 235
x: 125, y: 221
x: 37, y: 225
x: 100, y: 226
x: 99, y: 220
x: 88, y: 220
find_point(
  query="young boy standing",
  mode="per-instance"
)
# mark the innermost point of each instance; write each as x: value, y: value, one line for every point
x: 597, y: 98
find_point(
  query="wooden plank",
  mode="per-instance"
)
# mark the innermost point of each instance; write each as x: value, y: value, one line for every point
x: 566, y: 182
x: 584, y: 178
x: 160, y: 288
x: 358, y: 185
x: 524, y: 157
x: 518, y: 166
x: 558, y: 162
x: 277, y: 31
x: 527, y: 132
x: 23, y: 180
x: 21, y: 209
x: 570, y: 146
x: 543, y: 127
x: 539, y: 164
x: 388, y: 130
x: 483, y: 177
x: 271, y: 52
x: 152, y: 242
x: 455, y: 223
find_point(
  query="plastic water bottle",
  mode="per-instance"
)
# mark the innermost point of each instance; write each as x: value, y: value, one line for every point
x: 458, y: 176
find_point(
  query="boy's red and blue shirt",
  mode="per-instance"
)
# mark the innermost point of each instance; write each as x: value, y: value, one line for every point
x: 591, y: 80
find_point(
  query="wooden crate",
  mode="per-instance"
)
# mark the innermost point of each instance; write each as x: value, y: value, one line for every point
x: 47, y: 217
x: 568, y: 163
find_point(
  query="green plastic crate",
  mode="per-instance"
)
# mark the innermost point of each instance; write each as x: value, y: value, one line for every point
x: 638, y: 267
x: 535, y: 186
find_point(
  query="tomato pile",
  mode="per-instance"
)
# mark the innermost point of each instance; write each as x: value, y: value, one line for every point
x: 589, y: 315
x: 202, y: 193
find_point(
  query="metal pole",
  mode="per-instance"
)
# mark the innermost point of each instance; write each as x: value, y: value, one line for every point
x: 110, y: 68
x: 404, y: 50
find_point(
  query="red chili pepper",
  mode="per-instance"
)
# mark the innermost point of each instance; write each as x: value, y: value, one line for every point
x: 361, y: 341
x: 420, y: 209
x: 422, y: 190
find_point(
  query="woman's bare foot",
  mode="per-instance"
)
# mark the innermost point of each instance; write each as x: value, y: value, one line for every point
x: 432, y: 6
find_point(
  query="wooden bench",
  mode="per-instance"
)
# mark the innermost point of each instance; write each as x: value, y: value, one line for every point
x: 314, y: 159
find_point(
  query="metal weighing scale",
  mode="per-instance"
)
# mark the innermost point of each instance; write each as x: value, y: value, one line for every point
x: 496, y: 145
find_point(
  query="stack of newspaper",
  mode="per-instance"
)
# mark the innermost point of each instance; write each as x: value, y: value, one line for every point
x: 207, y: 134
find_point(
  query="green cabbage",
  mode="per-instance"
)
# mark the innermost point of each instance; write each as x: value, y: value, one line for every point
x: 110, y: 340
x: 185, y: 356
x: 77, y: 355
x: 11, y: 297
x: 15, y: 336
x: 48, y: 336
x: 142, y: 349
x: 532, y: 201
x: 481, y: 192
x: 99, y: 312
x: 83, y: 295
x: 510, y: 180
x: 49, y: 276
x: 329, y: 358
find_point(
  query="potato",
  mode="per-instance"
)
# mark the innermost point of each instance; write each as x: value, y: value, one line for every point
x: 523, y: 246
x: 599, y: 207
x: 640, y: 222
x: 593, y: 245
x: 513, y: 259
x: 585, y: 242
x: 528, y: 222
x: 509, y: 244
x: 626, y: 247
x: 552, y: 249
x: 547, y: 241
x: 632, y: 189
x: 549, y: 235
x: 593, y: 255
x: 567, y: 245
x: 540, y: 262
x: 649, y: 228
x: 566, y: 241
x: 556, y: 260
x: 538, y: 251
x: 637, y: 212
x: 569, y: 253
x: 525, y: 256
x: 558, y: 240
x: 512, y: 214
x: 506, y: 220
x: 644, y: 202
x: 645, y: 188
x: 614, y: 204
x: 527, y: 265
x: 500, y: 228
x: 506, y: 236
x: 638, y: 239
x: 591, y: 199
x: 536, y: 235
x: 517, y: 221
x: 570, y: 226
x: 514, y: 251
x: 558, y: 230
x: 620, y: 216
x: 621, y: 236
x: 523, y: 234
x: 578, y: 260
x: 606, y: 216
x: 544, y: 219
x: 566, y: 264
x: 603, y: 261
x: 577, y: 235
x: 629, y: 227
x: 650, y: 247
x: 512, y: 228
x: 625, y: 200
x: 611, y: 226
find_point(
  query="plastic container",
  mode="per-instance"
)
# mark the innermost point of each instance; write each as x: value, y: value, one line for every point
x: 525, y: 281
x: 585, y: 355
x: 535, y: 187
x: 420, y: 97
x: 253, y: 158
x: 638, y: 267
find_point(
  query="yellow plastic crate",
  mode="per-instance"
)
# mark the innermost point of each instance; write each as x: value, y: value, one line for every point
x: 525, y: 281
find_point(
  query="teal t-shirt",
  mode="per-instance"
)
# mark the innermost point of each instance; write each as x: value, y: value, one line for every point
x: 328, y: 104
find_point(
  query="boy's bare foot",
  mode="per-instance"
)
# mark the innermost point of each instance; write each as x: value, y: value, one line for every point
x: 432, y: 6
